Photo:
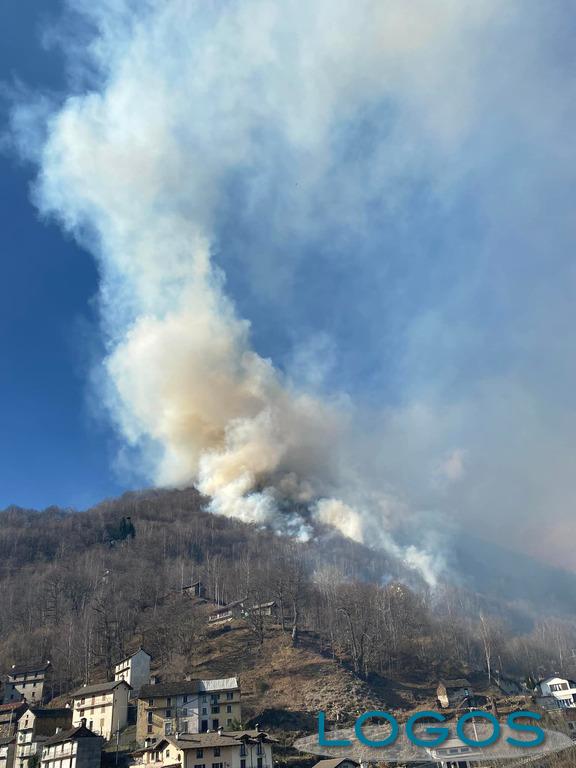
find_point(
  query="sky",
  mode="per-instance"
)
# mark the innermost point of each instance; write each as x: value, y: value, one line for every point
x: 316, y: 261
x: 54, y: 449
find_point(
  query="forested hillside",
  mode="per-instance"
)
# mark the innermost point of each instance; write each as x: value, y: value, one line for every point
x: 81, y: 588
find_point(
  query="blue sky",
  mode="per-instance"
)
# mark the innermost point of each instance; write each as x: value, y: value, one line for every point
x: 52, y: 449
x: 327, y: 257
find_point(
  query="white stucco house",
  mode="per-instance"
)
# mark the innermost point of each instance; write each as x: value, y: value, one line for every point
x: 562, y: 690
x: 134, y: 670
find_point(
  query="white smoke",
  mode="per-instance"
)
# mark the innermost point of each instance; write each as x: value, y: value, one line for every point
x: 136, y: 168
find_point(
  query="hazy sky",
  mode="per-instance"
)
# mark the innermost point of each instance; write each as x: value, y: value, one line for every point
x: 331, y: 261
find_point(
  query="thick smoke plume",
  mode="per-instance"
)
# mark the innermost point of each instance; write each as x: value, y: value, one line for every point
x: 186, y: 119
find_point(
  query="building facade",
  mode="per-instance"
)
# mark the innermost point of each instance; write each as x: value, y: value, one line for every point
x: 73, y: 748
x: 223, y: 749
x: 135, y: 670
x: 7, y: 749
x: 188, y: 706
x: 28, y: 681
x: 561, y: 690
x: 34, y: 727
x: 104, y: 706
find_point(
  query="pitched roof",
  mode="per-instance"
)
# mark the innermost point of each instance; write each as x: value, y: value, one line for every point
x: 204, y: 740
x: 130, y: 655
x: 334, y: 762
x: 89, y: 690
x: 79, y: 732
x: 45, y: 713
x: 211, y: 739
x: 460, y: 682
x: 34, y: 666
x: 7, y: 739
x: 151, y: 690
x: 11, y: 706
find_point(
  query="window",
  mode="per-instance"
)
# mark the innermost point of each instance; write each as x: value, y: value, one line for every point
x: 228, y: 708
x: 215, y: 698
x: 243, y: 763
x: 168, y: 701
x: 185, y: 726
x: 149, y: 730
x: 184, y: 712
x: 167, y: 753
x: 199, y: 766
x: 150, y: 716
x: 204, y: 710
x: 259, y: 748
x: 150, y: 702
x: 204, y: 726
x: 204, y: 698
x: 199, y: 753
x: 167, y: 729
x: 185, y: 699
x: 168, y: 713
x: 259, y: 762
x: 229, y: 721
x: 229, y: 695
x: 215, y: 710
x: 215, y: 724
x: 217, y: 765
x: 216, y: 751
x: 242, y: 750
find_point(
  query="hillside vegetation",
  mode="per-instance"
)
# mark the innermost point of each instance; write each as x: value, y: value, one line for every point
x: 353, y: 627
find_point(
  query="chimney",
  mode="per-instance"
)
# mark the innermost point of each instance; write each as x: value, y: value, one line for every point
x: 58, y: 729
x: 83, y: 722
x: 257, y: 727
x: 188, y: 677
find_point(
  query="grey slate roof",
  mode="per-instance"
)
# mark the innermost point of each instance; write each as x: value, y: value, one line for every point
x: 212, y: 739
x: 45, y: 713
x: 334, y: 762
x: 150, y: 691
x: 23, y: 669
x: 79, y: 732
x: 457, y: 683
x: 89, y: 690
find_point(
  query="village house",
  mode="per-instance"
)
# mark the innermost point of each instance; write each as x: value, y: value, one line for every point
x: 104, y: 706
x: 555, y: 692
x: 239, y: 610
x: 220, y: 749
x: 337, y: 762
x: 9, y: 716
x: 77, y: 747
x: 7, y: 749
x: 34, y: 726
x: 28, y: 681
x: 451, y: 693
x: 187, y: 706
x: 135, y: 670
